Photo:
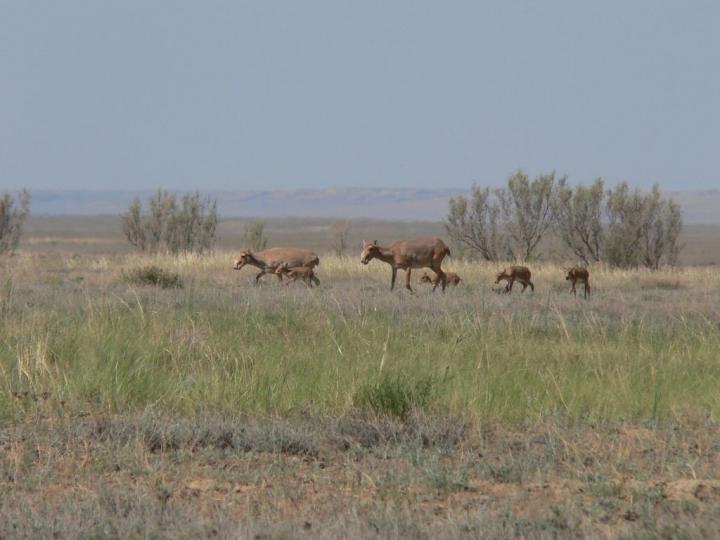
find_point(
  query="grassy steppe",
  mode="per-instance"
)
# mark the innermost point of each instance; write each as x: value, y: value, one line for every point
x: 645, y: 347
x: 222, y: 408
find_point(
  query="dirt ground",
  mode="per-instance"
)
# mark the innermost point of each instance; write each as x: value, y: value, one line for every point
x: 151, y: 476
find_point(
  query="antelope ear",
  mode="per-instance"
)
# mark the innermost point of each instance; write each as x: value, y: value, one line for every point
x: 374, y: 242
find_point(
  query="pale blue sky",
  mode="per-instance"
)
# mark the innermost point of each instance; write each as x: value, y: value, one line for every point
x: 285, y: 94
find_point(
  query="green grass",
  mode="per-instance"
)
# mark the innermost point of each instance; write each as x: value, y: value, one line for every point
x: 223, y: 409
x: 275, y: 350
x: 395, y: 396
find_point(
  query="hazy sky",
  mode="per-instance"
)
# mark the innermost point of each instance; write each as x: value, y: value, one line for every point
x: 283, y: 94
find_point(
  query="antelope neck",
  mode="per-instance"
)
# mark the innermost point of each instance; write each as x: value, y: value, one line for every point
x: 254, y: 261
x: 385, y: 255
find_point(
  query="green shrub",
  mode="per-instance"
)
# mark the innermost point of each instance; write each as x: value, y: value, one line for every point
x: 13, y: 213
x: 395, y: 396
x: 155, y: 276
x: 173, y: 225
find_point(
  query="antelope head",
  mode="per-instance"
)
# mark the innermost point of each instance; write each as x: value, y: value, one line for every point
x: 282, y: 269
x: 369, y: 252
x: 244, y: 258
x: 502, y: 275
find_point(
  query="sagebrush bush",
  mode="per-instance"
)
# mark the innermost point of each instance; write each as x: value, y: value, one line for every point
x: 13, y: 214
x: 156, y: 276
x: 622, y: 227
x: 173, y: 225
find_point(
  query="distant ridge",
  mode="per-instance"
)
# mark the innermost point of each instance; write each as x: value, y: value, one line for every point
x: 700, y: 207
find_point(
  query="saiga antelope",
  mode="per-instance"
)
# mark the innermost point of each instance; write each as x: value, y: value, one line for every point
x: 305, y: 273
x: 409, y: 254
x: 579, y: 274
x: 268, y: 260
x: 513, y: 274
x: 452, y: 279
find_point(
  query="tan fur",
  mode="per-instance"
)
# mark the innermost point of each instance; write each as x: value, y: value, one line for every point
x: 268, y: 260
x: 409, y: 254
x: 306, y: 273
x: 513, y: 274
x: 579, y: 274
x: 452, y: 279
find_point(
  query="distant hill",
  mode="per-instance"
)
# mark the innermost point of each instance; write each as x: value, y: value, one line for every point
x: 700, y: 207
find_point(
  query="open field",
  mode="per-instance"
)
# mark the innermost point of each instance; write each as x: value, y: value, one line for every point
x: 223, y: 409
x: 101, y: 235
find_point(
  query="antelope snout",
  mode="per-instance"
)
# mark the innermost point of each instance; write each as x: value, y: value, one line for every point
x: 364, y: 260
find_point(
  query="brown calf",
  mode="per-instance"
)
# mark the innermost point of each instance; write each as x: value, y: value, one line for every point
x: 452, y: 279
x: 513, y: 274
x: 306, y: 273
x: 579, y: 274
x: 268, y: 260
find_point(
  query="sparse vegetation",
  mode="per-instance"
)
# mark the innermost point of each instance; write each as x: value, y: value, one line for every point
x: 227, y: 410
x: 13, y: 213
x: 528, y: 211
x: 643, y: 229
x: 500, y: 358
x: 155, y: 276
x: 187, y: 226
x: 506, y: 223
x: 396, y: 396
x: 207, y: 475
x: 340, y: 232
x: 579, y: 214
x: 254, y: 237
x: 620, y: 227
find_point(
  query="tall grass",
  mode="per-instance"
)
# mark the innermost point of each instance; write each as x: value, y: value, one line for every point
x: 74, y: 329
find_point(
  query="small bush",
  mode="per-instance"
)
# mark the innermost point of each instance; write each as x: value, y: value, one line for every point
x: 340, y: 233
x: 254, y: 237
x: 12, y: 217
x: 396, y: 397
x: 173, y: 225
x: 155, y: 276
x: 446, y: 478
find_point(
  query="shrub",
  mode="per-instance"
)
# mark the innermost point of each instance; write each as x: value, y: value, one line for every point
x: 340, y: 233
x: 395, y: 396
x: 254, y: 237
x: 579, y: 216
x: 155, y: 276
x: 12, y: 218
x: 506, y: 223
x: 187, y: 226
x: 622, y: 227
x: 474, y: 225
x: 643, y: 228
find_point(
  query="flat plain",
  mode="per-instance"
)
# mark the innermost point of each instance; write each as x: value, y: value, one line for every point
x: 216, y: 408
